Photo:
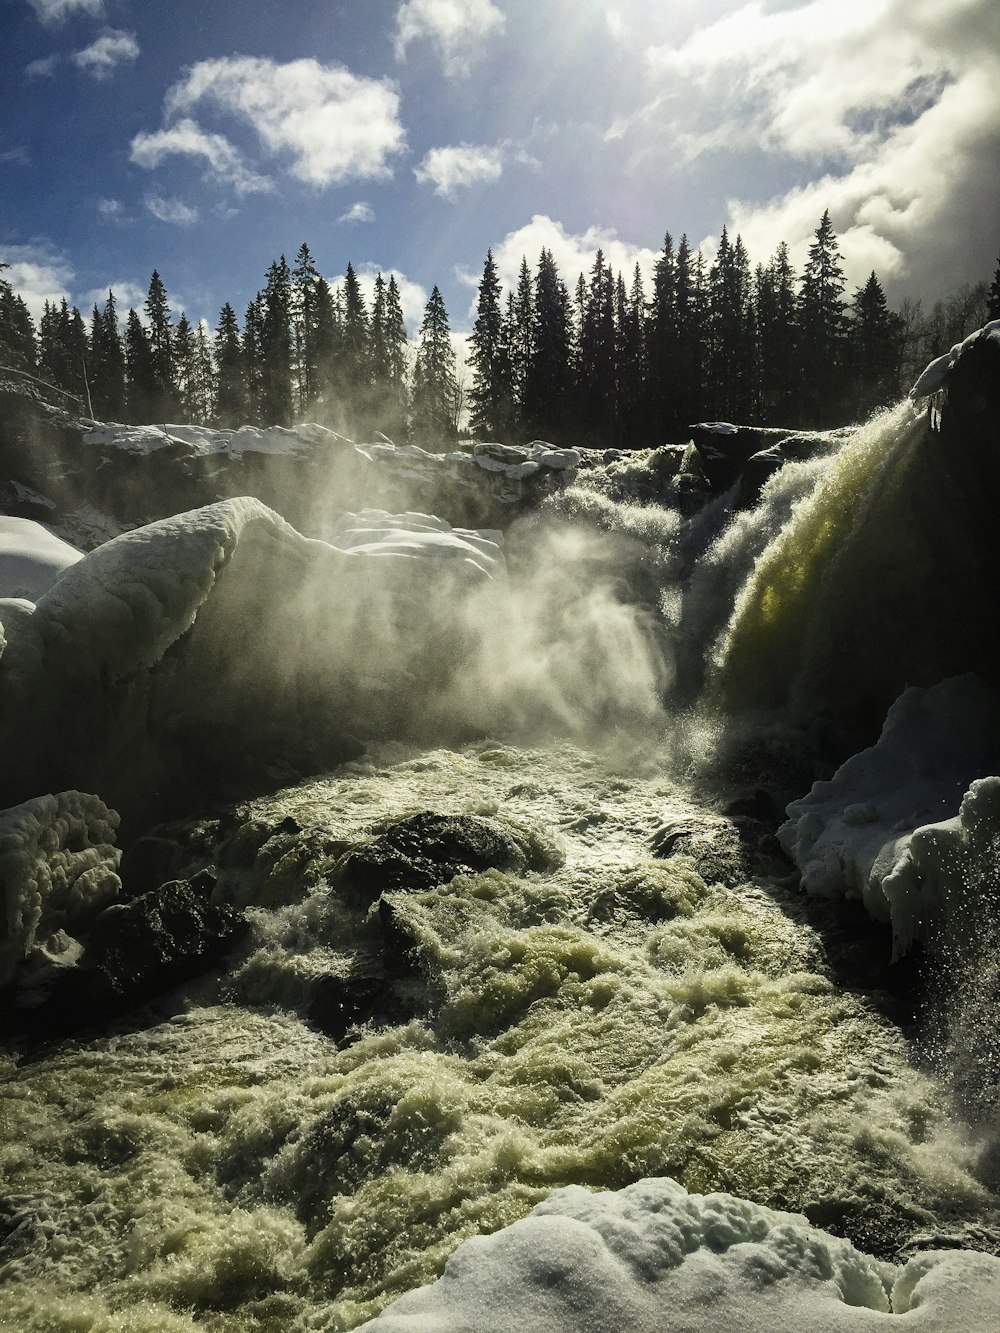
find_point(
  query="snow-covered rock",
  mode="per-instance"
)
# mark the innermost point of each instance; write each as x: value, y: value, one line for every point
x: 415, y: 536
x: 887, y: 828
x: 652, y: 1257
x: 934, y: 377
x: 31, y: 558
x: 58, y: 863
x: 181, y: 650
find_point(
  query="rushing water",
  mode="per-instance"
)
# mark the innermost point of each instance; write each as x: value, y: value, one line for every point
x: 219, y: 1163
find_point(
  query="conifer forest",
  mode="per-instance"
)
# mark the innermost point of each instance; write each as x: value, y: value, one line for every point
x: 613, y: 360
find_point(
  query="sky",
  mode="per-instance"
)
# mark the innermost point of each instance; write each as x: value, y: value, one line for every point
x: 204, y: 138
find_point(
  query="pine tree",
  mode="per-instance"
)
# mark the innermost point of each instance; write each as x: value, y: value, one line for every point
x: 548, y: 386
x: 253, y: 361
x: 491, y: 393
x: 203, y: 378
x: 396, y: 406
x: 231, y: 397
x: 631, y: 319
x: 277, y: 396
x: 139, y: 370
x: 183, y: 361
x: 163, y: 400
x: 662, y: 343
x: 304, y: 313
x: 730, y: 329
x: 872, y: 361
x: 434, y: 384
x: 822, y: 330
x: 688, y: 398
x: 777, y: 340
x: 18, y: 343
x: 107, y: 363
x: 519, y: 317
x: 597, y: 396
x: 356, y: 355
x: 327, y: 346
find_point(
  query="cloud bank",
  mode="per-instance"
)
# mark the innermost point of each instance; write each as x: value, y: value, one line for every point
x: 186, y: 138
x: 895, y: 105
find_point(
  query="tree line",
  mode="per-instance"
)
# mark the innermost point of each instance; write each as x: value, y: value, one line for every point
x: 604, y: 364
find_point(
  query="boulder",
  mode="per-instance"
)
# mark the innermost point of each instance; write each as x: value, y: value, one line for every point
x: 428, y: 849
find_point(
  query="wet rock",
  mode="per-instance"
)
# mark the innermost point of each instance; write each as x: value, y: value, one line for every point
x: 133, y: 952
x: 341, y: 1005
x: 724, y: 851
x: 428, y: 849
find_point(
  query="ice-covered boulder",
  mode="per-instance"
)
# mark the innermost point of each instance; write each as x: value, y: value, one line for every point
x: 652, y: 1257
x: 222, y: 639
x: 887, y: 828
x: 31, y: 558
x: 58, y: 865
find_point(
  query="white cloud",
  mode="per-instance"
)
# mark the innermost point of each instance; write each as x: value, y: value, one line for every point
x: 171, y: 210
x: 336, y: 126
x: 17, y: 153
x: 128, y: 295
x: 102, y: 56
x: 188, y: 139
x: 55, y: 11
x: 573, y: 253
x: 44, y: 68
x: 37, y: 273
x: 896, y: 101
x: 458, y: 28
x: 359, y: 212
x: 111, y: 210
x: 459, y: 167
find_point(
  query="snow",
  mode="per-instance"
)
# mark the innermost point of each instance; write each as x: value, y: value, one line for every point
x: 881, y: 828
x: 413, y: 535
x: 31, y: 558
x: 652, y: 1257
x: 933, y: 377
x: 205, y: 440
x: 225, y: 620
x: 57, y: 862
x: 515, y: 461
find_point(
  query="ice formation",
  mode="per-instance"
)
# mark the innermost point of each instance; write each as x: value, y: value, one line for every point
x: 653, y: 1257
x: 58, y: 862
x: 935, y: 376
x: 31, y: 558
x: 886, y: 828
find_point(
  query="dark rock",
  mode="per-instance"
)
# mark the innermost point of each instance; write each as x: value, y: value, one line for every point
x: 133, y: 952
x: 342, y: 1004
x: 754, y: 804
x: 399, y: 948
x: 425, y: 850
x: 724, y: 851
x: 151, y: 861
x: 724, y: 449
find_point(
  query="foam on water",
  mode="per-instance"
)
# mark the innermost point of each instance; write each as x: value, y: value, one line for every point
x: 609, y: 1019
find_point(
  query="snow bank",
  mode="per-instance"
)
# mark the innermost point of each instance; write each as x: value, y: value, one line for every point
x: 652, y: 1257
x: 58, y: 862
x: 886, y: 828
x: 31, y: 558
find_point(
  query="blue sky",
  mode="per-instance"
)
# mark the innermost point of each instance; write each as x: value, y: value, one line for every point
x: 206, y: 137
